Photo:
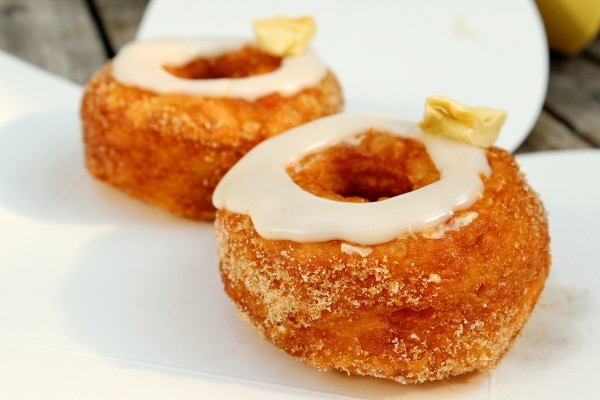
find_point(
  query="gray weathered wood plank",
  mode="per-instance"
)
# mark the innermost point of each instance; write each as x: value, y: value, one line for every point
x: 120, y: 19
x: 57, y: 35
x: 594, y: 49
x: 551, y: 134
x: 574, y: 96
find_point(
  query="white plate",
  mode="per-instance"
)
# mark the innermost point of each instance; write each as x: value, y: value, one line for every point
x: 103, y: 297
x: 391, y: 54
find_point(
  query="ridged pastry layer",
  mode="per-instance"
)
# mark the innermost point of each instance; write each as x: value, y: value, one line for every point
x: 424, y: 306
x: 171, y: 150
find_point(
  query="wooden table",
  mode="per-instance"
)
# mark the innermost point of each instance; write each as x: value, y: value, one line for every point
x: 73, y: 38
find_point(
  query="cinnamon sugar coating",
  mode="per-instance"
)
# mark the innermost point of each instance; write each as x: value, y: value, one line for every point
x: 171, y: 150
x: 422, y: 307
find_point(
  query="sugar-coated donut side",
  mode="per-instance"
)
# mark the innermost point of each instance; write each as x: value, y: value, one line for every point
x: 171, y: 150
x: 424, y: 306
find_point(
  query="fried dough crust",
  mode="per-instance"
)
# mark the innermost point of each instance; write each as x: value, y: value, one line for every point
x: 171, y: 150
x: 425, y: 306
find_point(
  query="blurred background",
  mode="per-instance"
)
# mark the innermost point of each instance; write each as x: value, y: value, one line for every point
x: 74, y: 38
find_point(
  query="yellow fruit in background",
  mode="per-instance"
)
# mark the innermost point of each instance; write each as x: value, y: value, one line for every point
x: 571, y: 25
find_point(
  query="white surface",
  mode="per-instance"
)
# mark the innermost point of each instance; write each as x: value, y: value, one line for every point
x: 391, y: 54
x: 103, y: 297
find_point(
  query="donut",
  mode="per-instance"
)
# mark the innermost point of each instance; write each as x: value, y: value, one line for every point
x: 166, y: 118
x: 361, y: 243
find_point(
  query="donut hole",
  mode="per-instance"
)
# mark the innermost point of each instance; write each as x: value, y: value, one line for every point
x: 374, y: 167
x: 247, y: 61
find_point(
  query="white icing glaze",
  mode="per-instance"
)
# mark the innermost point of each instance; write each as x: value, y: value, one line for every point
x: 352, y: 249
x: 259, y: 186
x: 141, y: 64
x: 456, y: 224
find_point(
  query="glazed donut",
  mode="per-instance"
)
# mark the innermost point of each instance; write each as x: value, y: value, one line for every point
x: 360, y: 243
x: 165, y: 119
